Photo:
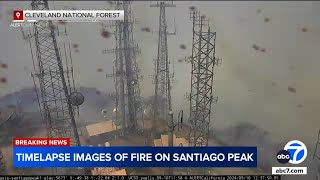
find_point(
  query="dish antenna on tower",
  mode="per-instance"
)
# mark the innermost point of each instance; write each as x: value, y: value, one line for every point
x: 104, y: 113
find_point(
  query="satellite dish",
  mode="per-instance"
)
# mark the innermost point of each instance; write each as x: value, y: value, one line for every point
x: 114, y: 110
x: 76, y: 98
x: 104, y: 112
x: 133, y: 82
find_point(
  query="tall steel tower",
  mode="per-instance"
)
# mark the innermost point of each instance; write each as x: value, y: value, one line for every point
x: 126, y: 71
x: 162, y: 96
x: 56, y: 105
x: 203, y: 61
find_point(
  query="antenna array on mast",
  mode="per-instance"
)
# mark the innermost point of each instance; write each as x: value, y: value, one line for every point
x: 126, y: 73
x: 203, y: 61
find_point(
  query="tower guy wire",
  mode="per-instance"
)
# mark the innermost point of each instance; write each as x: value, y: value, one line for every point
x: 162, y: 105
x: 129, y: 104
x: 57, y: 97
x: 203, y: 61
x: 316, y: 157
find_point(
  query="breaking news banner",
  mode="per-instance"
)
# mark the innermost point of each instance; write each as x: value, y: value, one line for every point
x: 139, y: 177
x: 67, y: 15
x: 45, y: 152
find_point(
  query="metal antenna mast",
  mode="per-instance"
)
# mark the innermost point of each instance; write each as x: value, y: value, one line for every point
x: 56, y: 99
x: 203, y: 61
x: 126, y: 73
x: 119, y: 77
x: 162, y: 98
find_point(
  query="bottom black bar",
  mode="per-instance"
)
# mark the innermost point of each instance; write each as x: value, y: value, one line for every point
x: 182, y: 177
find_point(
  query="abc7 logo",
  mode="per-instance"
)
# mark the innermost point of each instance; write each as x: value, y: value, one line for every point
x: 295, y: 152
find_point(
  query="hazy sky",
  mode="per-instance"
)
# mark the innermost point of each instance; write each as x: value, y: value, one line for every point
x: 252, y: 85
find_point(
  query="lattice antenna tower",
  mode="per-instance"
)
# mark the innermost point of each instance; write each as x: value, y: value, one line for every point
x: 127, y: 75
x: 119, y: 76
x: 203, y: 61
x: 137, y: 78
x: 57, y: 97
x: 162, y: 80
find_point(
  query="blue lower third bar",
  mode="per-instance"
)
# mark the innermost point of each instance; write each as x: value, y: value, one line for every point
x: 39, y: 157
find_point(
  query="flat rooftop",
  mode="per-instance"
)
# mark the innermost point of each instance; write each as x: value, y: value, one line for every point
x: 176, y: 141
x: 101, y: 128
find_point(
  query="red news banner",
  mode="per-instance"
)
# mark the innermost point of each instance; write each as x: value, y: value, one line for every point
x: 41, y: 142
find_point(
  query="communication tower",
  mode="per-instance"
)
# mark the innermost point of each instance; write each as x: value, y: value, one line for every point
x: 203, y: 61
x: 162, y: 105
x: 126, y: 74
x: 58, y: 99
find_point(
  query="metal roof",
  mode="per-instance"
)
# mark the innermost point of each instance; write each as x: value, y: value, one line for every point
x: 176, y: 141
x: 100, y: 128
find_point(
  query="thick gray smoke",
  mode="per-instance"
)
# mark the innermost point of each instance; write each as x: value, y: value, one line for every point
x: 30, y: 123
x: 246, y: 134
